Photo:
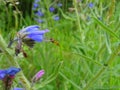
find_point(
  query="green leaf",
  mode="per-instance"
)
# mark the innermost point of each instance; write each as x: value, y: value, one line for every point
x: 105, y: 27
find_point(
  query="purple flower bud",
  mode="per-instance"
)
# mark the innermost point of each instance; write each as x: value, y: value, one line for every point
x: 51, y: 9
x: 38, y: 76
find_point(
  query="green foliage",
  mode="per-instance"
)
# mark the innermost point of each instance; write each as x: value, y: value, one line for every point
x: 89, y: 51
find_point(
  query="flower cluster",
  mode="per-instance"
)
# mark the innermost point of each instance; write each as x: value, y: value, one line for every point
x: 40, y: 12
x: 28, y: 36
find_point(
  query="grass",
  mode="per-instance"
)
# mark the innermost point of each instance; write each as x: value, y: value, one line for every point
x: 88, y: 55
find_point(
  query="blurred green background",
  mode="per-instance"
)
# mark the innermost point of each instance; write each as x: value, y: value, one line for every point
x: 88, y: 32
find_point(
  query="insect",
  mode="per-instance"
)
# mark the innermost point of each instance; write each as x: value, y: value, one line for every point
x: 54, y: 41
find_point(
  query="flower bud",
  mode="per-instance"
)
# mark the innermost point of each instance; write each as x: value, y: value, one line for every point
x: 38, y: 76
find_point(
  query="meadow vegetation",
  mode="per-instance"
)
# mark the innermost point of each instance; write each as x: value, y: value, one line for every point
x: 81, y: 51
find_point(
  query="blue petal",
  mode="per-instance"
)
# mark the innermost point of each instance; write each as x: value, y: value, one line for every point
x: 39, y: 32
x: 35, y: 5
x: 18, y: 89
x: 13, y: 70
x: 38, y: 38
x: 39, y: 13
x: 91, y: 5
x: 2, y: 74
x: 30, y: 28
x: 40, y: 21
x: 56, y: 18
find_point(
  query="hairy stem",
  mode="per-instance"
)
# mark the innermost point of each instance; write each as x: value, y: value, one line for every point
x: 108, y: 63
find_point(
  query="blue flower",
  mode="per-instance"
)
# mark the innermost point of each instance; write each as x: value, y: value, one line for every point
x: 35, y: 5
x: 33, y: 32
x: 39, y: 13
x: 59, y: 4
x: 18, y: 89
x: 90, y: 5
x: 56, y: 18
x: 28, y: 36
x: 51, y: 9
x: 9, y: 72
x: 40, y: 21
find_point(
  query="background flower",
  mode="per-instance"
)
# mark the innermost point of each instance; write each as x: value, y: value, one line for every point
x: 59, y: 4
x: 51, y: 9
x: 56, y: 18
x: 39, y: 13
x: 91, y: 5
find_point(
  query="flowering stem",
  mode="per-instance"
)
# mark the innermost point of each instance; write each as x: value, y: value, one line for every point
x: 108, y: 63
x: 77, y: 14
x: 50, y: 23
x: 78, y: 21
x: 14, y: 62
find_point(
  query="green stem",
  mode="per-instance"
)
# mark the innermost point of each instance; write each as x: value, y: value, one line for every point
x: 94, y: 78
x: 74, y: 84
x: 110, y: 60
x: 14, y: 62
x: 50, y: 21
x: 77, y: 14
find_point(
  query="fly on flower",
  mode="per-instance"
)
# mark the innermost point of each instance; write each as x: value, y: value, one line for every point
x: 28, y: 36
